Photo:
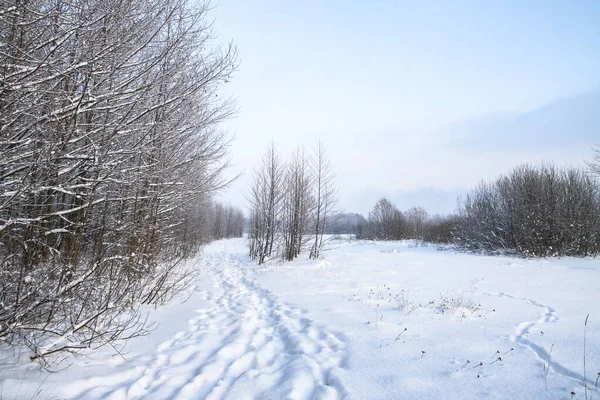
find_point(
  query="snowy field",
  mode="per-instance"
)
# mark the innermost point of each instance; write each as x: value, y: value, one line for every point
x: 367, y: 321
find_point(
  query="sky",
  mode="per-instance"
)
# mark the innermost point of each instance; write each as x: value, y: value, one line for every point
x: 393, y: 88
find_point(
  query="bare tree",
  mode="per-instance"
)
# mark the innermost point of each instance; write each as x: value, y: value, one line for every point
x: 416, y: 218
x: 594, y: 165
x: 265, y: 198
x: 291, y: 204
x: 386, y: 222
x: 226, y: 221
x: 325, y: 196
x: 108, y: 141
x: 297, y: 205
x: 541, y: 211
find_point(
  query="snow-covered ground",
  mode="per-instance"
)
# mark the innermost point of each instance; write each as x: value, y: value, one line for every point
x: 366, y: 321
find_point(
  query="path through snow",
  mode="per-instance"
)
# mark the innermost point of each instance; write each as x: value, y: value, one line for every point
x: 248, y: 344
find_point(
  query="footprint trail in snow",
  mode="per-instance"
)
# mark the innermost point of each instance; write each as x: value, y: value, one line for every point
x: 248, y: 345
x: 521, y: 335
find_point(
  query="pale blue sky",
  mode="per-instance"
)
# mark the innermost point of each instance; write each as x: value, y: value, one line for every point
x: 376, y: 79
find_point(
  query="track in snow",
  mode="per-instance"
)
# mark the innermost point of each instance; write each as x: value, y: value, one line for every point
x: 248, y: 345
x: 521, y: 336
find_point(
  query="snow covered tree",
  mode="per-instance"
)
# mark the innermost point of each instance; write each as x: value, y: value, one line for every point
x: 533, y: 211
x: 108, y: 142
x: 325, y: 196
x: 266, y: 196
x: 297, y: 205
x: 291, y: 204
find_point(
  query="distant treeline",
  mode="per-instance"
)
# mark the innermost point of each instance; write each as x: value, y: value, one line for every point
x: 531, y: 211
x: 386, y: 222
x: 226, y: 221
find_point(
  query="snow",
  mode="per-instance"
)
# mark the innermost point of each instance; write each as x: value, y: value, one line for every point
x: 366, y: 321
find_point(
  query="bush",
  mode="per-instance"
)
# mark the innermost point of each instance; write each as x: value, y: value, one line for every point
x: 533, y: 212
x: 439, y: 230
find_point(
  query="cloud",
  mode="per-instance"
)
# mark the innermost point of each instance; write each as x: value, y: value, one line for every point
x: 567, y: 123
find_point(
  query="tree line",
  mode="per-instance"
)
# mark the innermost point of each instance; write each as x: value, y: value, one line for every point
x: 533, y: 211
x: 227, y: 221
x: 110, y: 153
x: 386, y: 222
x: 292, y: 202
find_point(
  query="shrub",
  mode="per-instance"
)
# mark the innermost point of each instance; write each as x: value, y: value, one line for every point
x: 532, y: 212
